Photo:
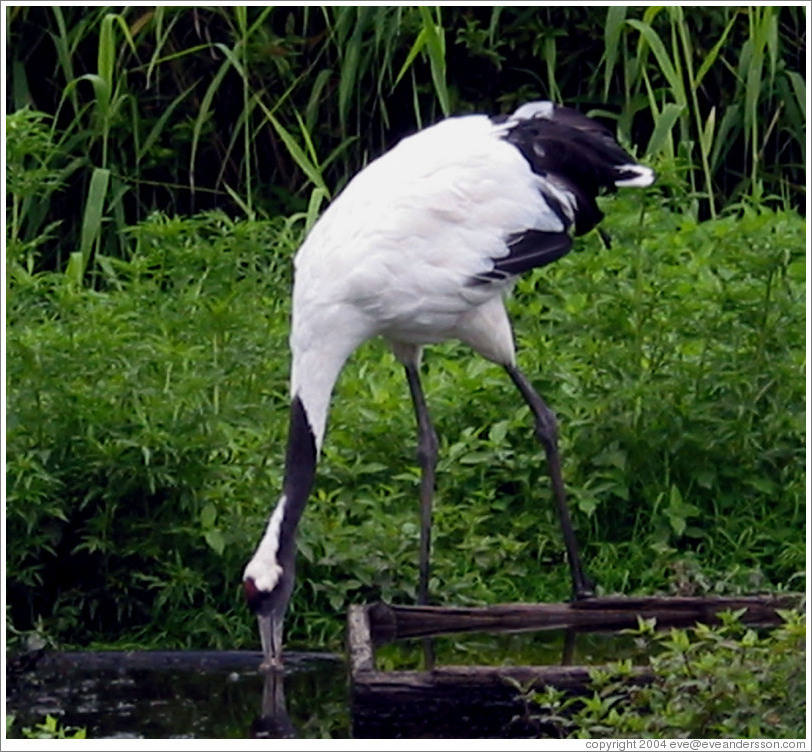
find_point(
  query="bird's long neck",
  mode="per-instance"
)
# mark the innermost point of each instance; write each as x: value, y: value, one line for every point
x: 314, y: 372
x: 272, y: 562
x: 300, y: 470
x: 313, y: 376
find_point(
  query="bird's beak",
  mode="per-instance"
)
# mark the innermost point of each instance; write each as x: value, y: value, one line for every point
x: 270, y: 635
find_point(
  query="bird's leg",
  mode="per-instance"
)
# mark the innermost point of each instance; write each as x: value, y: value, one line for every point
x: 427, y: 456
x: 546, y: 428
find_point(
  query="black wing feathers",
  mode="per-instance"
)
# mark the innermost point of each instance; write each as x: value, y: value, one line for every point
x: 527, y: 250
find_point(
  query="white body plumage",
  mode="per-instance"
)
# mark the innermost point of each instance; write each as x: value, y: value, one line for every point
x: 394, y: 254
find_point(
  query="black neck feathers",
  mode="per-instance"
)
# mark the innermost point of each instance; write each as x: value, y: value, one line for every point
x: 300, y: 472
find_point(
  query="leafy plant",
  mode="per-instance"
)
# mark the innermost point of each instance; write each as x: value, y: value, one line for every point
x: 50, y: 728
x: 32, y: 176
x: 141, y: 429
x: 709, y: 683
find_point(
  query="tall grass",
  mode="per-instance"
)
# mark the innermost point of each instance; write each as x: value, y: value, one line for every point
x: 705, y: 101
x: 254, y: 109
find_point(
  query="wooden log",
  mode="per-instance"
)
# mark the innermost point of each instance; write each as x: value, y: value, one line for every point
x: 211, y: 661
x: 488, y: 681
x: 470, y: 701
x: 387, y: 622
x: 359, y: 640
x: 461, y: 701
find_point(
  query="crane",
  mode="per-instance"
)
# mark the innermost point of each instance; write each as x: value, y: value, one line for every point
x: 422, y: 246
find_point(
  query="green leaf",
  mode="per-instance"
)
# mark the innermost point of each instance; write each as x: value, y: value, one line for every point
x: 435, y: 44
x: 652, y: 38
x: 418, y: 44
x: 208, y: 515
x: 215, y: 540
x: 348, y: 77
x: 615, y: 21
x: 664, y: 122
x: 296, y: 151
x: 92, y: 220
x: 706, y: 137
x: 799, y: 88
x: 713, y: 55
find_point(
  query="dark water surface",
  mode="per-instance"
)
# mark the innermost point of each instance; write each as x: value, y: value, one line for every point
x: 203, y: 695
x: 222, y: 695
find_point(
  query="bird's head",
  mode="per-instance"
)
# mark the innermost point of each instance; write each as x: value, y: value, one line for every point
x: 267, y: 596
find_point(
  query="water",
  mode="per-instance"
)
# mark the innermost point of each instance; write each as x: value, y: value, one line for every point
x: 183, y: 695
x: 222, y: 695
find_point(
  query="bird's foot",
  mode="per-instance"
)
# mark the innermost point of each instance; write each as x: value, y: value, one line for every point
x: 271, y: 664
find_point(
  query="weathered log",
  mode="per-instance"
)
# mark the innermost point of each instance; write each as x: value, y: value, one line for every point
x: 387, y: 622
x: 462, y: 701
x: 359, y: 640
x: 468, y: 701
x: 181, y: 660
x: 380, y: 623
x: 489, y: 681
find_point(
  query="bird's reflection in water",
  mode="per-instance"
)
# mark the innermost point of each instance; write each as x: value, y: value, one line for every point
x: 273, y: 721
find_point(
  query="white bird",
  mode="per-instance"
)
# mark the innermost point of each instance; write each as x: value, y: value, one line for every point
x: 422, y: 246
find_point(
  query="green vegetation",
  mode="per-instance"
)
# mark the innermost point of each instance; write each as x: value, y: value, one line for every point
x: 143, y: 430
x: 266, y: 110
x: 163, y: 165
x: 146, y: 429
x: 50, y: 728
x: 709, y: 683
